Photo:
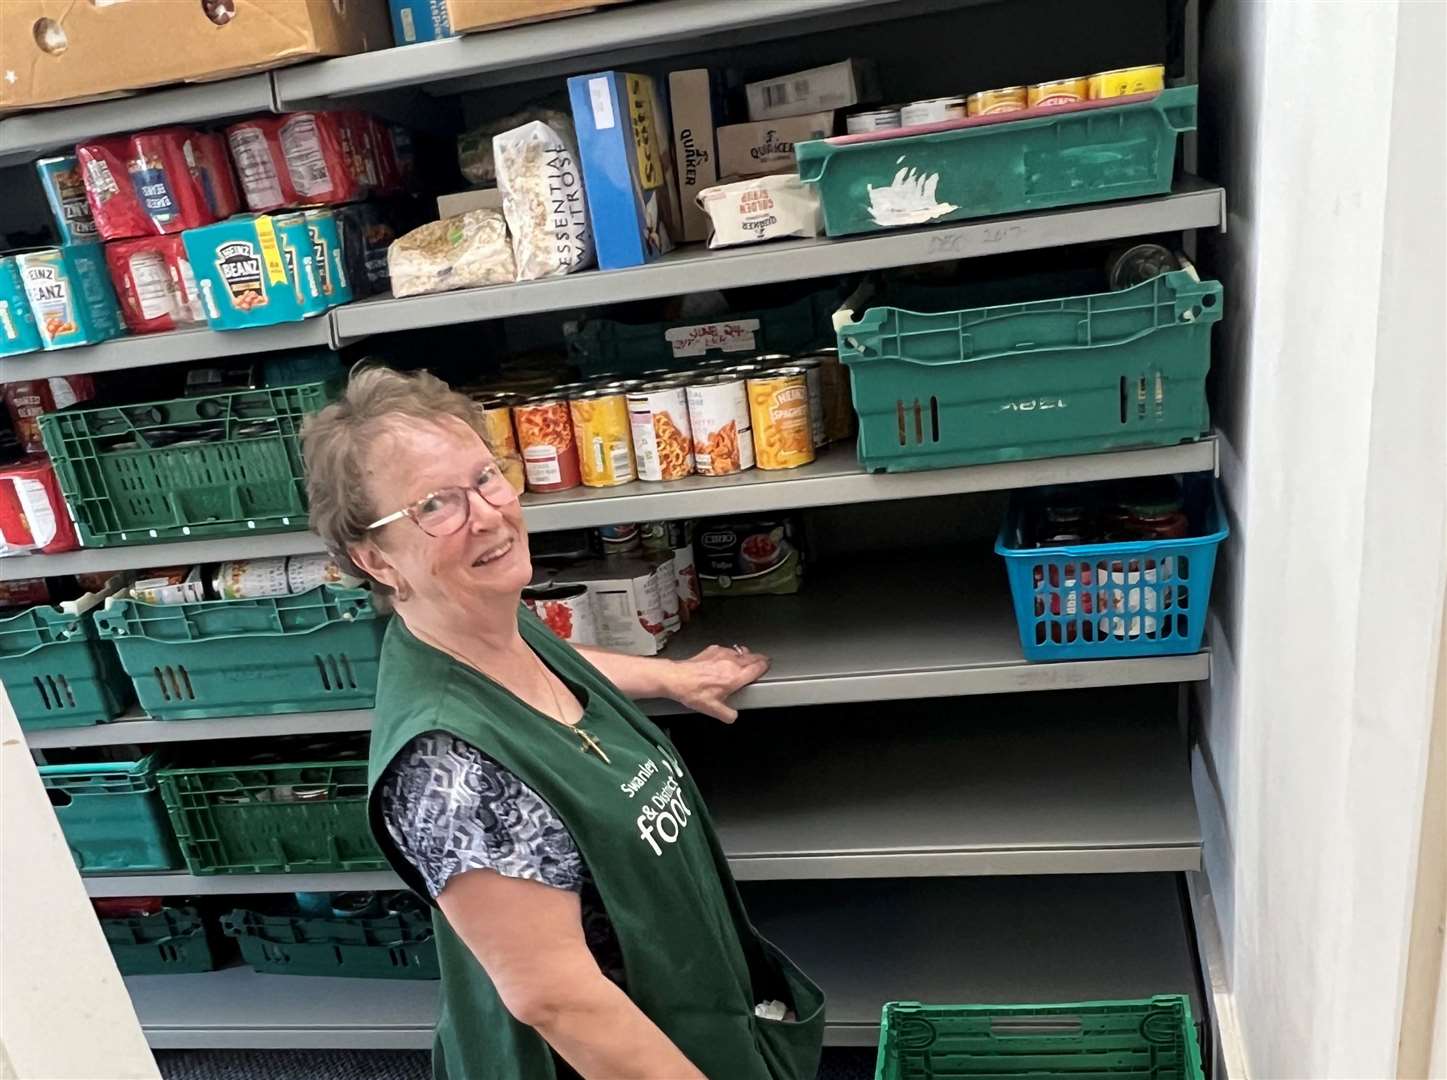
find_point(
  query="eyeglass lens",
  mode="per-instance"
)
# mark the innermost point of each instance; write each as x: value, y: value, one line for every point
x: 446, y: 511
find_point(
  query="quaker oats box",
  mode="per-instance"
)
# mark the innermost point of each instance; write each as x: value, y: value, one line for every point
x: 243, y: 274
x: 694, y: 96
x: 758, y: 149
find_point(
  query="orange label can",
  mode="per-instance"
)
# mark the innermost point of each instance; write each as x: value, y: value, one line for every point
x: 988, y: 102
x: 718, y: 413
x: 497, y: 432
x: 1122, y: 82
x: 545, y: 436
x: 662, y: 438
x: 1058, y: 92
x: 604, y: 437
x: 779, y: 410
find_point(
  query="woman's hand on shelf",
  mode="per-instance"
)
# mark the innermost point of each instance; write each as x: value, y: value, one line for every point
x: 705, y: 682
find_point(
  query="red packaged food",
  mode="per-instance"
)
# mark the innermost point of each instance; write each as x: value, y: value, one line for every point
x: 113, y: 203
x: 151, y: 184
x: 154, y: 283
x: 33, y: 515
x: 325, y: 155
x: 28, y: 398
x: 24, y: 592
x: 213, y: 166
x: 255, y: 147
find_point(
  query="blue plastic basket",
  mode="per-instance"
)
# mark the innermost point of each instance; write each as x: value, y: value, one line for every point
x: 1134, y: 598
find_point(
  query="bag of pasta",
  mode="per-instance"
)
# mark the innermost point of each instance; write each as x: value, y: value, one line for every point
x: 542, y: 198
x: 454, y: 253
x: 474, y: 148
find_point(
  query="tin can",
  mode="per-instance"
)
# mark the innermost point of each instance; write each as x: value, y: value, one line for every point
x: 1138, y: 263
x: 33, y: 514
x: 304, y: 572
x: 567, y: 610
x: 70, y: 294
x: 818, y: 408
x: 1058, y: 92
x: 28, y: 399
x: 623, y: 539
x: 933, y: 111
x: 18, y: 332
x: 989, y: 102
x: 298, y: 253
x: 328, y: 256
x: 779, y: 409
x: 668, y: 597
x: 718, y: 413
x: 662, y: 438
x: 545, y: 437
x: 497, y: 432
x: 1147, y: 79
x: 605, y: 441
x: 251, y: 579
x: 838, y: 401
x: 871, y: 120
x: 661, y: 537
x: 65, y: 191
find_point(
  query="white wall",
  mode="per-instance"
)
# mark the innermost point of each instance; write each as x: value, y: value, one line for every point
x: 1327, y: 133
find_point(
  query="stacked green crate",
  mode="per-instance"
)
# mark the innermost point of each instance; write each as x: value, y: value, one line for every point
x: 392, y: 946
x: 56, y: 669
x: 112, y: 815
x: 172, y: 941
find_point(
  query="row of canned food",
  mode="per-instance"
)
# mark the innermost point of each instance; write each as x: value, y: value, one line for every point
x: 772, y: 412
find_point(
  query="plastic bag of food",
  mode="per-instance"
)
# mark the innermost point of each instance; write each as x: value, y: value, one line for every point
x: 542, y: 199
x: 454, y: 253
x: 474, y: 148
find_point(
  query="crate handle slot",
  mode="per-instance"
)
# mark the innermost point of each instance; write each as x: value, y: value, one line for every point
x: 1030, y: 1027
x: 58, y: 796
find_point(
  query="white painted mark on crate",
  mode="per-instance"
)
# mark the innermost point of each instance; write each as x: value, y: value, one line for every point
x: 909, y: 200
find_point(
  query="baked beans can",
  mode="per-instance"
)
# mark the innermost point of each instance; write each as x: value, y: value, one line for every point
x: 662, y: 437
x: 65, y: 191
x: 1122, y: 82
x: 1057, y: 92
x: 18, y: 332
x: 779, y: 409
x: 545, y: 437
x: 294, y: 240
x: 331, y: 264
x: 1004, y: 100
x: 33, y: 514
x: 932, y: 111
x: 718, y: 413
x: 818, y: 412
x: 28, y: 399
x: 566, y: 610
x: 70, y: 294
x: 605, y: 441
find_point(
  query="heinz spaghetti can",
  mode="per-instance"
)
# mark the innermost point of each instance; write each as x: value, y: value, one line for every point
x: 779, y: 408
x: 818, y: 411
x: 662, y: 437
x: 718, y: 413
x: 567, y: 610
x: 605, y: 443
x: 545, y: 437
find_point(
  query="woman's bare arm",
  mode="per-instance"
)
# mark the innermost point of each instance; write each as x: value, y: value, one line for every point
x: 529, y: 939
x: 703, y: 682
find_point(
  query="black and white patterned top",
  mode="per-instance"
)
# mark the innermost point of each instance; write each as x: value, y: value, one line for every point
x: 451, y: 808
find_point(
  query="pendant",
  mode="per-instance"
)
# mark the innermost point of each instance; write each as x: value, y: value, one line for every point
x: 590, y: 743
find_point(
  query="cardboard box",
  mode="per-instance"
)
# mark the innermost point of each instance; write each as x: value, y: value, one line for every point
x: 765, y: 208
x: 494, y: 14
x: 419, y: 20
x: 692, y: 97
x: 626, y: 171
x: 746, y: 150
x: 93, y: 49
x: 460, y: 202
x: 834, y: 86
x: 626, y: 603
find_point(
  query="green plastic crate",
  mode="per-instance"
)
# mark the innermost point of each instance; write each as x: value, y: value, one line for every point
x: 1056, y: 157
x: 385, y: 947
x: 111, y: 815
x: 260, y: 819
x: 1153, y: 1039
x: 215, y: 465
x: 57, y: 670
x: 1107, y: 371
x: 173, y: 941
x: 315, y: 650
x: 599, y: 345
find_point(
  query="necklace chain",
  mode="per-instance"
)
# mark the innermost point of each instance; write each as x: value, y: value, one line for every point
x: 589, y: 741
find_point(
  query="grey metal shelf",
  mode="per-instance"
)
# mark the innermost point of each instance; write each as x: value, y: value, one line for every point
x: 28, y: 135
x: 851, y: 636
x: 964, y: 940
x: 834, y: 480
x: 179, y: 884
x: 177, y: 346
x: 1195, y: 205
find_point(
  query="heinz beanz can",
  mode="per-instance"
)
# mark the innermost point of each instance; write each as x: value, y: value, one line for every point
x: 605, y: 442
x: 65, y: 191
x: 545, y: 436
x: 330, y: 260
x: 18, y: 332
x: 718, y: 413
x: 662, y: 438
x: 779, y: 409
x: 298, y: 253
x: 70, y: 294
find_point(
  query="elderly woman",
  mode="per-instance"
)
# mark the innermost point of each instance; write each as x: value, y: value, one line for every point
x: 586, y: 920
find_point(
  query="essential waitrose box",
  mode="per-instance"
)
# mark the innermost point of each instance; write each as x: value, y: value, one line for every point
x: 60, y: 51
x: 834, y: 86
x: 757, y: 149
x: 693, y: 98
x: 419, y: 20
x: 466, y: 15
x: 621, y: 129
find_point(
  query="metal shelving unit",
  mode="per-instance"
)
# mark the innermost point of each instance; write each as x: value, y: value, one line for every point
x: 972, y: 939
x: 834, y: 480
x: 848, y: 637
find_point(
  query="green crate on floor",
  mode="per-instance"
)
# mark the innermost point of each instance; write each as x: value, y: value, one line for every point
x: 173, y: 941
x: 1153, y: 1039
x: 270, y: 818
x: 57, y: 670
x: 199, y: 467
x: 1078, y: 375
x: 112, y: 815
x: 315, y: 650
x: 1011, y: 164
x: 383, y: 947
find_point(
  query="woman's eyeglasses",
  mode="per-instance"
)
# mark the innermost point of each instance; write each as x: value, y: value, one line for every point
x: 443, y: 512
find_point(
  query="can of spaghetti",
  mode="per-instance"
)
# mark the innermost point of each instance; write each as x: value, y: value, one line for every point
x: 989, y: 102
x: 818, y: 410
x: 718, y: 413
x: 497, y: 432
x: 567, y: 610
x: 779, y: 410
x: 1057, y: 92
x: 605, y: 441
x: 662, y: 438
x: 1122, y: 82
x: 545, y: 437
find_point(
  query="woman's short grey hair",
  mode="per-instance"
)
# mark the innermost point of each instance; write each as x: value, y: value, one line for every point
x: 337, y: 441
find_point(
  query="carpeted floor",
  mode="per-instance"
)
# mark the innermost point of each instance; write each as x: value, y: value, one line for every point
x: 838, y: 1064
